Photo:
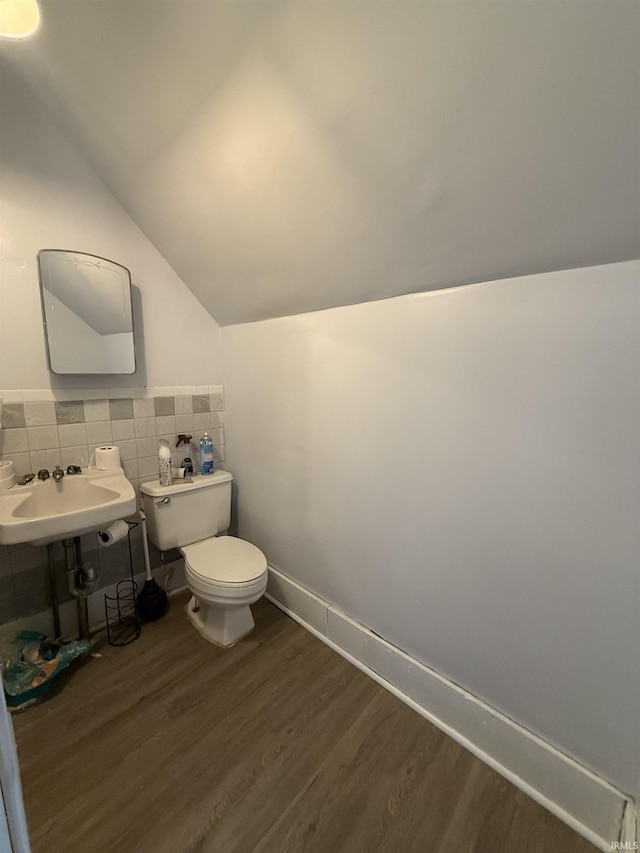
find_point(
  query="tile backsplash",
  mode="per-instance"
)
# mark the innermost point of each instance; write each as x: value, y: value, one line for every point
x: 45, y: 428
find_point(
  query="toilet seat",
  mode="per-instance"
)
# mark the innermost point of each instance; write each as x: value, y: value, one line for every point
x: 225, y: 561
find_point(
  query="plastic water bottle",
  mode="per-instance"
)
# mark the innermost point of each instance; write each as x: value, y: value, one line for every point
x: 206, y: 454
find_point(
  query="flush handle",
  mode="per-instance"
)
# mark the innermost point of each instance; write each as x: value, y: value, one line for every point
x: 163, y: 501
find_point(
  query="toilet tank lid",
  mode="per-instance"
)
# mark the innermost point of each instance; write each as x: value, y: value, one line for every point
x: 198, y: 481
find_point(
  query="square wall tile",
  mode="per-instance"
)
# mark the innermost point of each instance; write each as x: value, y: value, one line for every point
x: 164, y: 406
x: 217, y: 402
x: 184, y: 404
x: 70, y: 412
x: 202, y: 422
x: 147, y: 446
x: 121, y: 409
x: 201, y: 403
x: 123, y: 429
x: 43, y: 438
x: 145, y: 427
x: 148, y: 467
x: 77, y: 455
x: 128, y: 449
x: 131, y: 470
x: 45, y: 459
x: 166, y: 425
x: 40, y: 414
x: 144, y: 408
x: 13, y: 441
x: 217, y: 420
x: 99, y: 432
x: 184, y: 423
x: 13, y: 415
x: 97, y: 410
x: 24, y: 557
x: 72, y: 434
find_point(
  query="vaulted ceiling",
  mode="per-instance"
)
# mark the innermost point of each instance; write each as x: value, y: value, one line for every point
x: 293, y: 156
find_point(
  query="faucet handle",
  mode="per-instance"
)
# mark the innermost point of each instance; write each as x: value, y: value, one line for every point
x: 43, y: 474
x: 74, y: 469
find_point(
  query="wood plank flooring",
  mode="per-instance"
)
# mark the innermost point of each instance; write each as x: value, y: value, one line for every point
x: 278, y: 745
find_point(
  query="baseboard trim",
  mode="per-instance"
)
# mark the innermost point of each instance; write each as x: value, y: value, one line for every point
x: 629, y: 835
x: 584, y: 801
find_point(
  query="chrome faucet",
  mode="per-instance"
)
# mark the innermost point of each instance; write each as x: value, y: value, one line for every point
x: 57, y: 473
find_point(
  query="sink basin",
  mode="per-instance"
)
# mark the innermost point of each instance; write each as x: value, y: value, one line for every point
x: 43, y: 512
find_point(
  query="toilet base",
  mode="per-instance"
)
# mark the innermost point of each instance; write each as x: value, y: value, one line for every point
x: 223, y: 626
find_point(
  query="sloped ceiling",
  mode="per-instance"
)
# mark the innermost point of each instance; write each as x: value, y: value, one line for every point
x: 292, y: 156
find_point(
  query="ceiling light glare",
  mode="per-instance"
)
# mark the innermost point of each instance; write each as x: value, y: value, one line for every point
x: 18, y: 18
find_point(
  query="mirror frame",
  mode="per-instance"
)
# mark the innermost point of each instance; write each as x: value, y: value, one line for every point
x: 46, y: 326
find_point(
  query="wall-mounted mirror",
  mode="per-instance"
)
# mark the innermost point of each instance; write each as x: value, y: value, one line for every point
x: 86, y: 305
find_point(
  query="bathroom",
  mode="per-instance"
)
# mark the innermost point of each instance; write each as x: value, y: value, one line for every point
x: 387, y: 255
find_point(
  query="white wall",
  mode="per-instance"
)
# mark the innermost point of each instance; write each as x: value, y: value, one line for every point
x: 51, y: 198
x: 458, y: 471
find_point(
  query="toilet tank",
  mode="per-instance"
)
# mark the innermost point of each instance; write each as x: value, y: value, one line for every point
x: 187, y: 510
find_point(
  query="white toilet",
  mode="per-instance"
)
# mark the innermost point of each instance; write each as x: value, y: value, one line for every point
x: 225, y: 574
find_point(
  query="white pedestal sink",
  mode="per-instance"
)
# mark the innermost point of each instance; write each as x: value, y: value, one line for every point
x: 43, y: 512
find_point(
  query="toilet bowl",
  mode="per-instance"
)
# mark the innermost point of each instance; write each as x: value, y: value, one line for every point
x: 225, y: 575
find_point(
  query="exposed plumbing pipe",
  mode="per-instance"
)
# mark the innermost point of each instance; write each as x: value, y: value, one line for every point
x: 81, y: 582
x: 55, y: 605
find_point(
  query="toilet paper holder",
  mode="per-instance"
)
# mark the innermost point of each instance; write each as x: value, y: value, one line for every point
x: 121, y: 615
x: 116, y: 531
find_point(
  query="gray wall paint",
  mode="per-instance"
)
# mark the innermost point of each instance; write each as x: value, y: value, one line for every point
x: 458, y: 471
x: 288, y: 156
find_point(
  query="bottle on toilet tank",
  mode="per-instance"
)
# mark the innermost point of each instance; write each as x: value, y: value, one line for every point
x: 164, y: 463
x: 206, y: 454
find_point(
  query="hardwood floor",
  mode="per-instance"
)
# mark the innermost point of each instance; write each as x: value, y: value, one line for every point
x: 171, y: 745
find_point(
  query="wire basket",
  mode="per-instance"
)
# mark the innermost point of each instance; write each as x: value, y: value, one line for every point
x: 123, y: 625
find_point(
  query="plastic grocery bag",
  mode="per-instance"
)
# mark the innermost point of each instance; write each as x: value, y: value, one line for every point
x: 30, y: 662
